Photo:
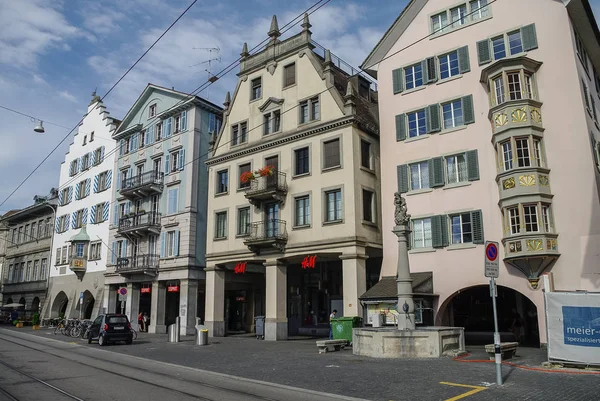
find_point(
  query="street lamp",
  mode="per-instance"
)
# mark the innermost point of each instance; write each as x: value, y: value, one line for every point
x: 39, y: 127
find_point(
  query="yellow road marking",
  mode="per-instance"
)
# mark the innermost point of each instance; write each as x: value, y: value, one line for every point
x: 476, y: 389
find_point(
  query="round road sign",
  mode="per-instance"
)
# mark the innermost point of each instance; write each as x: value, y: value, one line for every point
x: 123, y: 291
x: 491, y: 252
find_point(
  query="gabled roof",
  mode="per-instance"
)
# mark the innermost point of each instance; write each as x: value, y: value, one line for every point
x: 391, y: 36
x: 150, y: 88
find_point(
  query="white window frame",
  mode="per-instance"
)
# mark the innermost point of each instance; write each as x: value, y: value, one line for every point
x: 514, y: 219
x: 443, y: 26
x: 515, y: 88
x: 462, y: 16
x: 254, y: 95
x: 418, y: 121
x: 171, y: 246
x: 225, y: 190
x: 219, y: 225
x: 453, y: 112
x: 527, y: 159
x: 338, y: 213
x: 313, y: 110
x: 457, y: 178
x: 527, y: 209
x: 243, y: 231
x: 546, y: 219
x: 410, y: 76
x: 269, y: 120
x: 477, y: 13
x: 446, y: 59
x: 152, y: 110
x: 462, y: 232
x: 421, y: 176
x: 419, y: 240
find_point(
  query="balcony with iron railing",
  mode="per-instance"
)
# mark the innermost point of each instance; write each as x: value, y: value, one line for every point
x: 266, y: 188
x: 267, y: 234
x: 143, y: 185
x: 138, y: 264
x: 140, y: 224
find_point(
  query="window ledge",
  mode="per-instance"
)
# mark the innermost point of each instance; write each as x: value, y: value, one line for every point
x: 244, y: 189
x: 221, y: 194
x: 237, y: 145
x: 454, y: 129
x: 417, y: 138
x: 422, y: 250
x: 220, y: 239
x: 461, y: 246
x: 419, y: 191
x: 453, y: 78
x: 290, y: 86
x: 326, y: 169
x: 254, y: 100
x: 368, y: 170
x: 301, y: 175
x: 239, y: 236
x: 172, y: 183
x: 329, y: 223
x: 457, y: 185
x: 170, y: 225
x: 370, y: 224
x: 413, y: 90
x: 302, y: 227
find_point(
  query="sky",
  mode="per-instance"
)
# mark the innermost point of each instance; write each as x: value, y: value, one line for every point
x: 55, y: 53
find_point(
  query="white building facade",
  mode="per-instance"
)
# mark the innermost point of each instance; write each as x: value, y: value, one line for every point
x: 86, y: 178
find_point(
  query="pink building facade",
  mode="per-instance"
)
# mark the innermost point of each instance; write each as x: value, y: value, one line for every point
x: 489, y: 129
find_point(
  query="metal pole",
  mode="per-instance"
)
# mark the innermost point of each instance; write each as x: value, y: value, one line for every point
x: 497, y: 353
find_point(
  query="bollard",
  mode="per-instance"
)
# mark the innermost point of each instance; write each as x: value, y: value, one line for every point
x: 174, y: 331
x: 203, y: 337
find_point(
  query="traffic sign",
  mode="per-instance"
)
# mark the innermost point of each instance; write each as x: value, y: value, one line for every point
x: 123, y: 290
x: 492, y: 262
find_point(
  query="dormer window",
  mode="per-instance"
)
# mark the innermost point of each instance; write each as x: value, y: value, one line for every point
x: 152, y: 110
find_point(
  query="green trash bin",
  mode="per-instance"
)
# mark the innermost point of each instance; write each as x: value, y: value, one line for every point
x: 342, y: 327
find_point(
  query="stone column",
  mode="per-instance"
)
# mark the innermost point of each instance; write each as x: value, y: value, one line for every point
x: 276, y: 324
x: 188, y: 303
x: 133, y: 304
x: 354, y: 270
x: 406, y: 305
x: 109, y: 301
x: 406, y: 319
x: 215, y: 301
x: 157, y: 308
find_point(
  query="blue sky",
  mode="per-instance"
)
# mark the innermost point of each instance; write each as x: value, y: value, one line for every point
x: 54, y: 53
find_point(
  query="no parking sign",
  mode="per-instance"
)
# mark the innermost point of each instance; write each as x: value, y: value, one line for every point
x: 492, y: 262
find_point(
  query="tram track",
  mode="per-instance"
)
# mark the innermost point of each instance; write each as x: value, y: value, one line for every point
x: 60, y: 354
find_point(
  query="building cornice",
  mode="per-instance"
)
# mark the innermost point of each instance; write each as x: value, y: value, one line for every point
x: 281, y: 139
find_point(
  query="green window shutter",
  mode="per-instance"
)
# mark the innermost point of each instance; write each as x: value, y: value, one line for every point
x: 397, y: 80
x: 402, y: 178
x: 477, y: 226
x: 424, y: 72
x: 529, y: 37
x: 484, y: 53
x: 468, y: 112
x: 432, y: 117
x: 439, y: 231
x: 436, y: 172
x: 464, y: 64
x: 431, y: 69
x: 400, y: 127
x: 472, y: 165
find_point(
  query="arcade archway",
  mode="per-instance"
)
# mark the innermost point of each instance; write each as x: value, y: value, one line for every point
x: 85, y: 309
x: 35, y: 304
x: 22, y: 302
x: 59, y: 306
x: 472, y: 309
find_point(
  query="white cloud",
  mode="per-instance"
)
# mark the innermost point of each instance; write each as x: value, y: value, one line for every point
x: 68, y: 96
x: 29, y: 29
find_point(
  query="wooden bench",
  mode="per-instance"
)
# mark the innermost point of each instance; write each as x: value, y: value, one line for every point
x: 331, y: 345
x: 507, y: 350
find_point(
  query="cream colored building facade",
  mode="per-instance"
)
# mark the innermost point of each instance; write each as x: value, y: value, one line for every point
x: 300, y: 239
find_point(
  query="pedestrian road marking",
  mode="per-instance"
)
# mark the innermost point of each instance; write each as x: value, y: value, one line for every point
x: 475, y: 390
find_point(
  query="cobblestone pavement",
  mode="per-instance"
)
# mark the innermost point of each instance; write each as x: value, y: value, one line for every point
x: 297, y: 363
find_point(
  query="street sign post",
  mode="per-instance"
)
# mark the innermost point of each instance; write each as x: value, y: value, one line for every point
x: 80, y: 304
x: 492, y: 270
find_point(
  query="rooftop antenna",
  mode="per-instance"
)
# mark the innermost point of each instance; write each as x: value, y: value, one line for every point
x: 211, y: 78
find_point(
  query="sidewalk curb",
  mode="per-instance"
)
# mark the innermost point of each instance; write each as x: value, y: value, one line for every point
x: 208, y: 372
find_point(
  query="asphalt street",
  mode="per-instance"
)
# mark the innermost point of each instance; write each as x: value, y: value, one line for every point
x: 43, y: 369
x: 269, y: 365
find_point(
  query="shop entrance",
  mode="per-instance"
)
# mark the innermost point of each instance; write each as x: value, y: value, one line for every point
x: 172, y: 303
x: 472, y: 309
x: 236, y: 308
x: 312, y: 294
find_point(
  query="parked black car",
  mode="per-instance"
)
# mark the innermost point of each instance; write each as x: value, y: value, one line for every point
x: 110, y: 328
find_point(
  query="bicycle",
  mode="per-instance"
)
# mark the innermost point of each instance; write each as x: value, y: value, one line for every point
x: 134, y: 333
x: 60, y: 327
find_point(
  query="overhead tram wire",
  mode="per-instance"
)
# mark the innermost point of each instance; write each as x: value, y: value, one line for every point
x: 224, y: 71
x: 103, y: 97
x: 360, y: 70
x: 234, y: 64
